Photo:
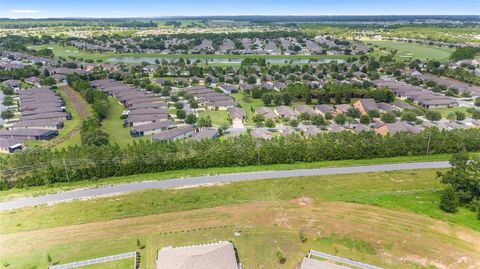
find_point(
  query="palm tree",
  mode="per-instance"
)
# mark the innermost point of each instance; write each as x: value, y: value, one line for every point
x: 452, y: 116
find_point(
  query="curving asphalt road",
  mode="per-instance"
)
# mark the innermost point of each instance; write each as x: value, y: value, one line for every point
x: 204, y: 180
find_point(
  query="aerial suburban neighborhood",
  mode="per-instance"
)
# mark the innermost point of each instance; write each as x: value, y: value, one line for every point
x: 208, y: 135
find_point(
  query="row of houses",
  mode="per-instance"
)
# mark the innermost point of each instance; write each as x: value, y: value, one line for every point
x: 363, y: 105
x: 463, y: 87
x: 418, y: 95
x: 210, y: 99
x: 42, y: 114
x: 145, y: 112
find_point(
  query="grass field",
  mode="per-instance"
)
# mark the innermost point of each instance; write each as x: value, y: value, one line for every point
x: 218, y: 117
x: 67, y: 51
x: 389, y: 219
x: 446, y: 111
x: 113, y: 125
x: 407, y: 51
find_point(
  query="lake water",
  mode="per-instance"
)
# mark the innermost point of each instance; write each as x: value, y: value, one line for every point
x: 219, y: 60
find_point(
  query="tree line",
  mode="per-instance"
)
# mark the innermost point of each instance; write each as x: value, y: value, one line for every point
x: 39, y: 166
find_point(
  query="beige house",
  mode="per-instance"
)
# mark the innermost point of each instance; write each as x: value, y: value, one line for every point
x: 220, y: 255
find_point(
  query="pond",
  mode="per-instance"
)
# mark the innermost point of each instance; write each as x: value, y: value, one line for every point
x: 151, y: 60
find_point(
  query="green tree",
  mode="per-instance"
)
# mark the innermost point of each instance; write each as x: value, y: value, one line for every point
x: 460, y: 115
x: 7, y: 114
x: 477, y: 101
x: 449, y: 200
x: 318, y: 120
x: 267, y: 99
x: 452, y: 116
x: 340, y: 119
x: 304, y: 116
x: 433, y: 115
x: 204, y: 122
x: 353, y: 113
x: 409, y: 116
x: 7, y: 100
x: 94, y: 137
x: 388, y: 117
x: 365, y: 119
x: 181, y: 114
x: 374, y: 114
x: 270, y: 123
x: 258, y: 119
x: 190, y: 119
x: 463, y: 178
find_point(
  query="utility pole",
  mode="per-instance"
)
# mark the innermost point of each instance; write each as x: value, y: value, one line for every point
x: 66, y: 171
x: 428, y: 143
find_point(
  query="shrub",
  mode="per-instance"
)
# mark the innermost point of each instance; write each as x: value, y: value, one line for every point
x: 449, y: 200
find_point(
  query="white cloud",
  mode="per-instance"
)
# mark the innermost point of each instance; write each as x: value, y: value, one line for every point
x: 24, y: 11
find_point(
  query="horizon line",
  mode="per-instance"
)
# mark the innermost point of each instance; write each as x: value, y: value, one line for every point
x: 245, y: 15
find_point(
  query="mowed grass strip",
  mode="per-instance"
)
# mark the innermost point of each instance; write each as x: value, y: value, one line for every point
x: 417, y: 190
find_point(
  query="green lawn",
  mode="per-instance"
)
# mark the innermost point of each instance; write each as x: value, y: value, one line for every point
x: 446, y: 111
x: 254, y: 103
x: 407, y: 51
x: 113, y: 125
x: 218, y: 117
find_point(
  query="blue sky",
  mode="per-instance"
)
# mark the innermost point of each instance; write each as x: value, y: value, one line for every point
x: 145, y: 8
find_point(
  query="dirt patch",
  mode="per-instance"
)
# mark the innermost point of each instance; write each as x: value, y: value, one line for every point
x: 397, y: 238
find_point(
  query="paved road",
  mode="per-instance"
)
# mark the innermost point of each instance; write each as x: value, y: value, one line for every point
x: 192, y: 181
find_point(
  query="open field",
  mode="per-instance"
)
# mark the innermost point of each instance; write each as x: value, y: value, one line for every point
x: 42, y: 190
x: 344, y: 215
x: 67, y: 51
x: 407, y: 51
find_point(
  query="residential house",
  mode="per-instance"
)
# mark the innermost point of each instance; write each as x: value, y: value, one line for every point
x: 220, y: 255
x: 207, y: 133
x: 152, y: 128
x: 28, y: 134
x: 266, y: 112
x: 174, y: 134
x: 10, y: 145
x: 393, y: 128
x: 366, y: 105
x: 285, y: 112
